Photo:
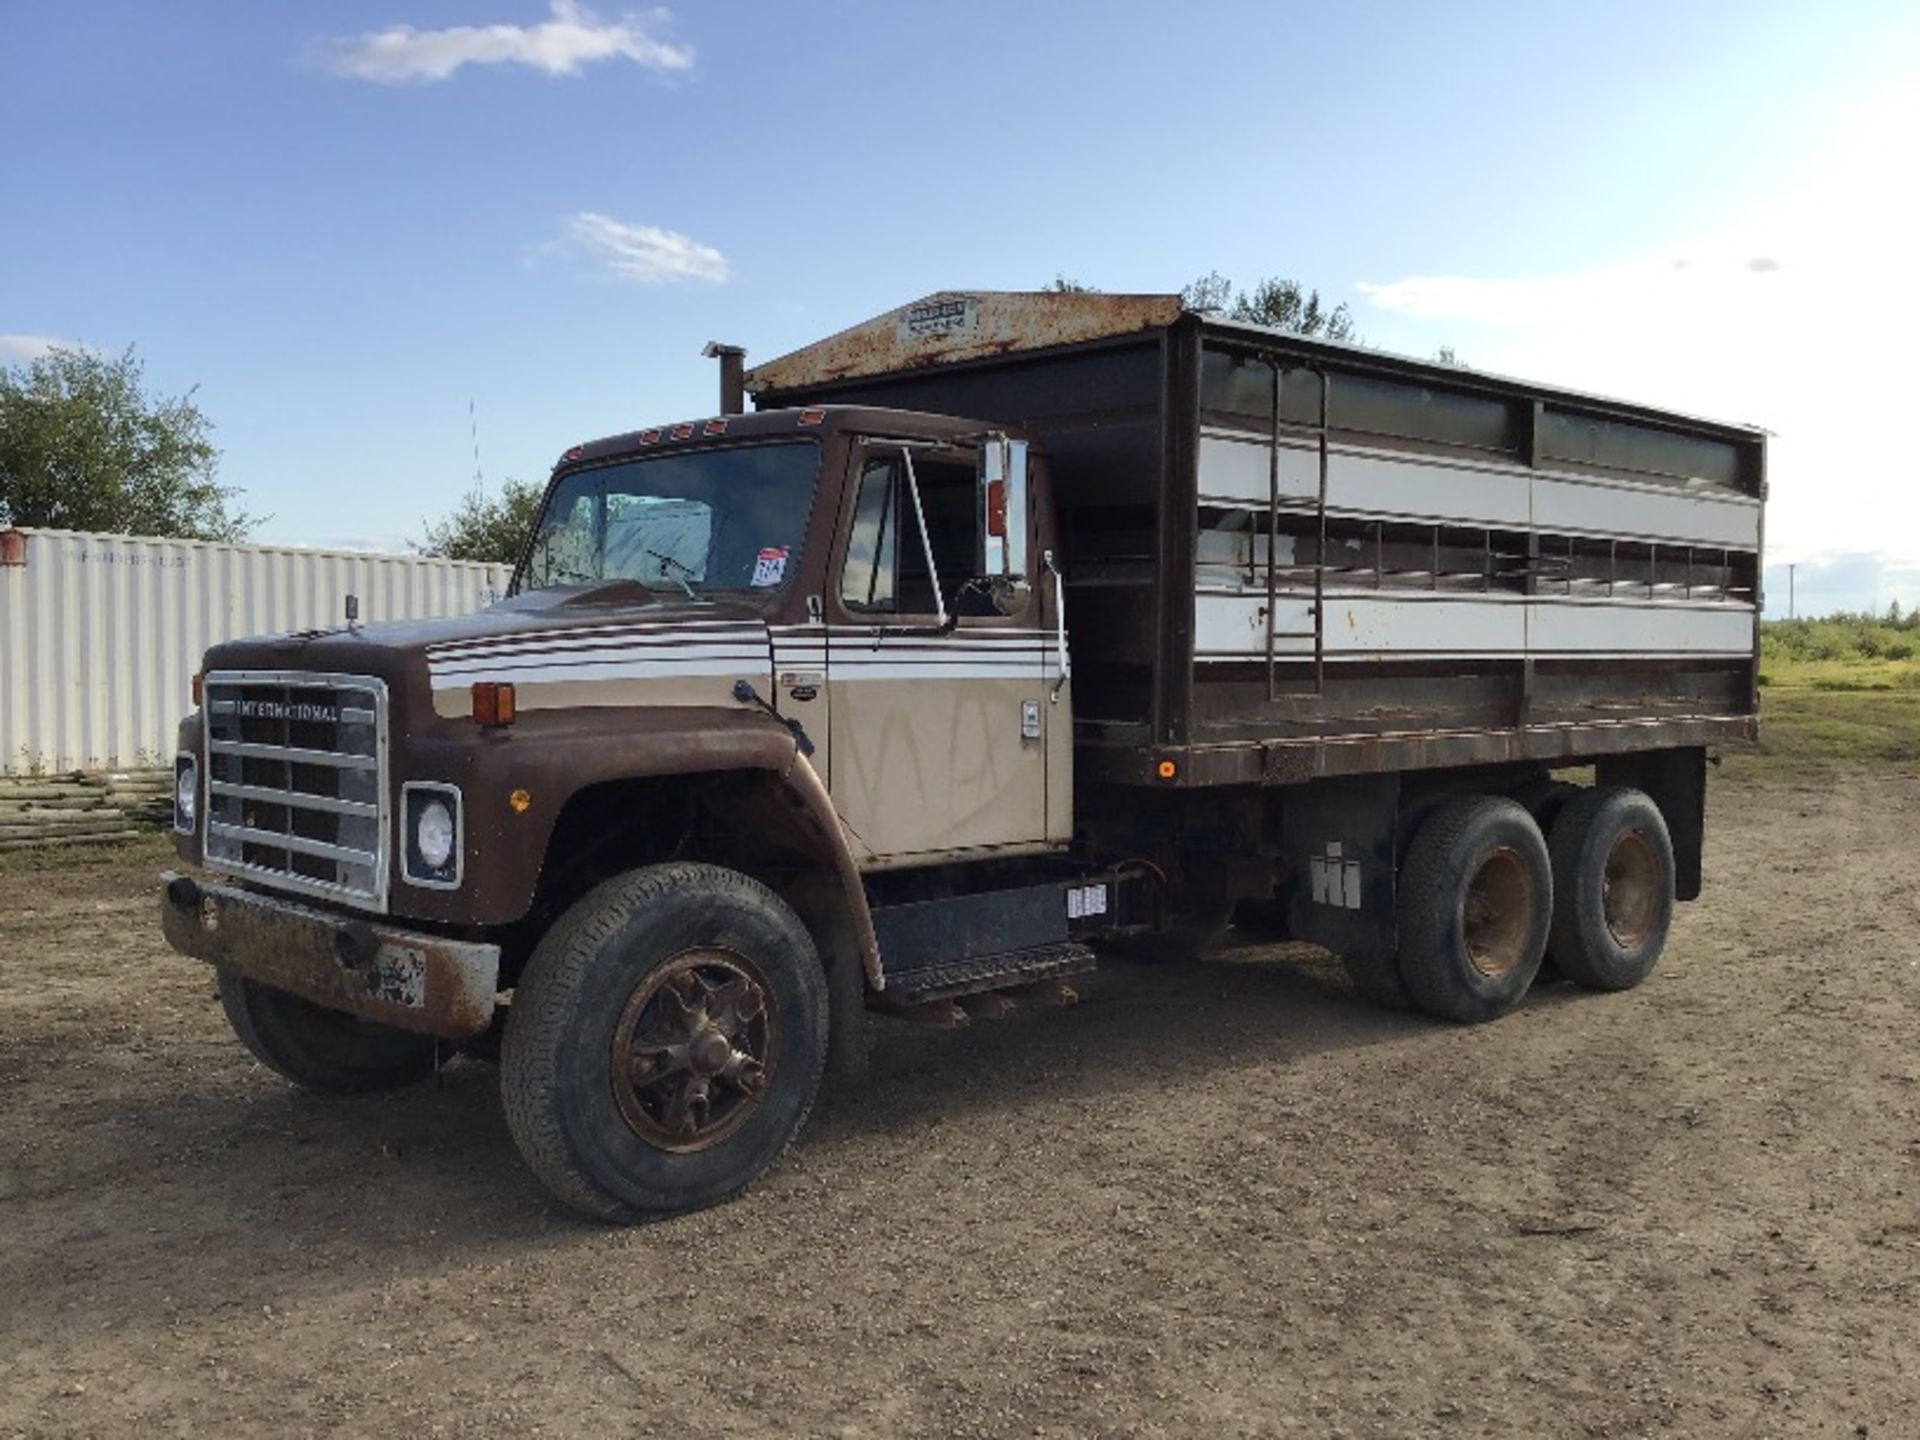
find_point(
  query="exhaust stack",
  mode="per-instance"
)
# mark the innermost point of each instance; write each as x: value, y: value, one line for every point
x: 733, y: 372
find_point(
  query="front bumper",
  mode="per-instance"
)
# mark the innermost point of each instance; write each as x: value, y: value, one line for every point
x: 397, y: 977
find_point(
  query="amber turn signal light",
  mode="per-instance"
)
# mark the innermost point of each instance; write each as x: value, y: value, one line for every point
x: 492, y: 703
x: 1167, y: 769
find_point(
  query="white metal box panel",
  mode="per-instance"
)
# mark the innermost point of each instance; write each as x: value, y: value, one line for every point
x: 100, y: 634
x: 1412, y: 625
x: 1644, y: 512
x: 1613, y: 627
x: 1235, y: 471
x: 1372, y: 485
x: 1233, y: 626
x: 1390, y: 488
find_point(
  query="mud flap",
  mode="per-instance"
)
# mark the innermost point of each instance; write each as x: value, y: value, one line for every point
x: 1676, y: 780
x: 1337, y: 838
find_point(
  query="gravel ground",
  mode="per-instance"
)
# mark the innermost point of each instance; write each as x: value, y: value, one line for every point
x: 1221, y: 1200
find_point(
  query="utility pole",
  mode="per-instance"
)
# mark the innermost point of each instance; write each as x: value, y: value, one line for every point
x: 1790, y: 570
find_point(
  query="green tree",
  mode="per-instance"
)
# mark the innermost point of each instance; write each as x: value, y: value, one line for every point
x: 1280, y: 303
x: 487, y: 527
x: 84, y: 446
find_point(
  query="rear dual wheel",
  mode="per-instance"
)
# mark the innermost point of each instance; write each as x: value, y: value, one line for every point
x: 1614, y: 886
x: 1483, y: 899
x: 1474, y: 907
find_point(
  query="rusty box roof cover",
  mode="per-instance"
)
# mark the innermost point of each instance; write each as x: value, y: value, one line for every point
x: 954, y: 325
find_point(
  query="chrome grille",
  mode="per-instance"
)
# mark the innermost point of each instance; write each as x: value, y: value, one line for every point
x: 296, y: 769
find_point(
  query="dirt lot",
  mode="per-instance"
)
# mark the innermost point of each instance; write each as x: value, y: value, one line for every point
x: 1221, y: 1201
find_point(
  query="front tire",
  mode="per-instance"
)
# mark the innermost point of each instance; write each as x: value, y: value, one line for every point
x: 665, y: 1042
x: 327, y: 1052
x: 1613, y: 887
x: 1475, y: 902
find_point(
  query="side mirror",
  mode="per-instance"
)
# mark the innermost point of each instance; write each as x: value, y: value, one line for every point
x: 1003, y: 506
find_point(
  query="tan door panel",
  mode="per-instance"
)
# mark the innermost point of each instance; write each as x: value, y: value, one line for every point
x: 932, y: 750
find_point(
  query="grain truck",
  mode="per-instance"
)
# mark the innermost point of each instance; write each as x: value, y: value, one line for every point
x: 1006, y: 629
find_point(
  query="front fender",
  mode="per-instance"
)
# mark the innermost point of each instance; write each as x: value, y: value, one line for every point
x: 516, y: 781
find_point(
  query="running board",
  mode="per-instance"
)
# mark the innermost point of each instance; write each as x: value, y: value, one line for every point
x: 953, y: 978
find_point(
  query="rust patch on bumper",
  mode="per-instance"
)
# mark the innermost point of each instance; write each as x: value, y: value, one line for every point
x: 401, y: 978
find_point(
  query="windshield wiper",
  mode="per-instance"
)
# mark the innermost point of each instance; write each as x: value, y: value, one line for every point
x: 683, y: 566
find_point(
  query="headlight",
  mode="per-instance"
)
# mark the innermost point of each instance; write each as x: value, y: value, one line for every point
x: 430, y: 835
x: 186, y: 793
x: 434, y: 834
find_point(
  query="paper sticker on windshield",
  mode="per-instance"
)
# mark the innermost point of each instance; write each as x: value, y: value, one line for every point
x: 770, y: 567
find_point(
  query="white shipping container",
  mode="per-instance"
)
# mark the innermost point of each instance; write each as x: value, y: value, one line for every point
x: 100, y: 634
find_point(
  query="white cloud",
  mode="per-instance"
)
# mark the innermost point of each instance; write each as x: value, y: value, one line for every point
x: 1797, y: 313
x: 28, y: 348
x: 1691, y: 283
x: 1820, y: 584
x: 574, y: 36
x: 1799, y: 316
x: 644, y: 253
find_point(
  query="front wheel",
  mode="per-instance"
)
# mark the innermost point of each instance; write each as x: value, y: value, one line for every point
x: 665, y: 1042
x: 323, y: 1051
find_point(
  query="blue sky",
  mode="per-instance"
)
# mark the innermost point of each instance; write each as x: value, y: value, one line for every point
x: 345, y: 221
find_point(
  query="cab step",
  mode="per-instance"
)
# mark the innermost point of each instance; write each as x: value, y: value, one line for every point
x: 980, y: 974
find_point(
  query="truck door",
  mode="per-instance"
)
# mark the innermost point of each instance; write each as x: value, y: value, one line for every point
x: 938, y: 664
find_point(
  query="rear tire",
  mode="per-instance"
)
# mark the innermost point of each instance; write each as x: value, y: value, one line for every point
x: 1613, y: 886
x: 1475, y: 903
x: 327, y: 1052
x: 1378, y: 979
x: 665, y: 1042
x: 1542, y: 799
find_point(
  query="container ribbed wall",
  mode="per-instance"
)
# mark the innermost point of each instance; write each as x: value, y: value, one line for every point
x: 100, y: 634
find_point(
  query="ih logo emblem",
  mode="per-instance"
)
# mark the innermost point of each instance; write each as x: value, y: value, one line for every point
x: 1336, y: 880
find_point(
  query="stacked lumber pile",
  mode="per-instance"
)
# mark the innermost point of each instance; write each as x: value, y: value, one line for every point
x: 81, y: 809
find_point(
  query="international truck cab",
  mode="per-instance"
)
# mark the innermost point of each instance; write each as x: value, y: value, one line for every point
x: 1008, y: 628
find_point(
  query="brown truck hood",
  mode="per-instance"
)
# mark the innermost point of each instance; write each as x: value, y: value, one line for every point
x: 516, y: 638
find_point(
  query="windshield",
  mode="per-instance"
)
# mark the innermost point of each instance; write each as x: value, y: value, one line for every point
x: 696, y: 523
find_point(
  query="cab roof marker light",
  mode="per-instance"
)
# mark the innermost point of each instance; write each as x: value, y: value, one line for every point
x: 716, y: 427
x: 812, y: 417
x: 683, y: 432
x: 649, y: 437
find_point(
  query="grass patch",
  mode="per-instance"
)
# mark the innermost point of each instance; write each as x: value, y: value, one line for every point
x: 1844, y: 690
x: 1840, y: 638
x: 1858, y: 673
x: 1811, y: 727
x: 156, y: 846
